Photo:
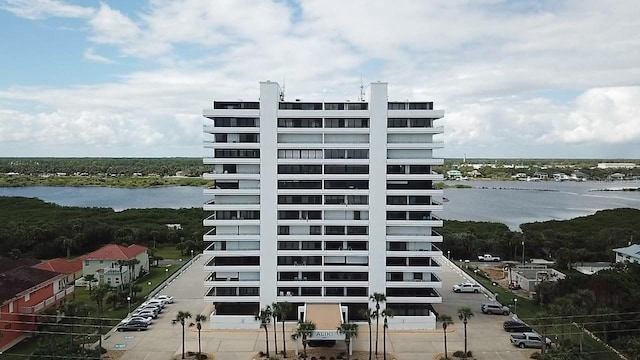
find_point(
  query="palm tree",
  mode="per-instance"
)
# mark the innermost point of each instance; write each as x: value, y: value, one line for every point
x: 276, y: 313
x: 464, y: 314
x: 446, y: 321
x: 284, y: 308
x: 304, y: 330
x: 199, y: 320
x: 349, y: 330
x: 368, y: 315
x: 121, y: 263
x: 181, y: 317
x: 99, y: 294
x: 264, y: 316
x: 386, y: 315
x: 378, y: 298
x: 89, y: 278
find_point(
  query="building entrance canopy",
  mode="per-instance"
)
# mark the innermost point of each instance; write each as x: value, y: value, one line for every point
x: 327, y: 318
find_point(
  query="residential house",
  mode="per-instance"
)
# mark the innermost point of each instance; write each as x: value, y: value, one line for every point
x: 25, y: 292
x: 630, y: 253
x: 109, y: 267
x: 71, y: 268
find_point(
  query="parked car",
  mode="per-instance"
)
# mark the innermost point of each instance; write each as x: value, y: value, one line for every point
x: 488, y: 257
x: 514, y: 286
x: 167, y: 298
x: 146, y: 319
x: 466, y: 288
x: 516, y: 326
x: 529, y: 340
x: 494, y: 308
x: 132, y: 325
x: 155, y: 307
x: 145, y: 313
x: 157, y: 302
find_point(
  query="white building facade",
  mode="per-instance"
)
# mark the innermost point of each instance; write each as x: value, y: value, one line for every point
x: 322, y: 202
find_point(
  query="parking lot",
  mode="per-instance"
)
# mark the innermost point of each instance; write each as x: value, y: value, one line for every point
x: 162, y: 340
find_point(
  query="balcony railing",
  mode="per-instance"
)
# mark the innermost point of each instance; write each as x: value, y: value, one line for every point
x: 47, y: 302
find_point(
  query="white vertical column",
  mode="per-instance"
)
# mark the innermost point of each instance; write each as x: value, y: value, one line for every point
x: 269, y: 102
x: 377, y: 187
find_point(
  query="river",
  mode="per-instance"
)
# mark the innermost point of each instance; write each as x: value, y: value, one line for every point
x: 508, y: 202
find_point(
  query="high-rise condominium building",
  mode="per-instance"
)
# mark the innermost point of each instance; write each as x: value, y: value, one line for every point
x: 322, y: 203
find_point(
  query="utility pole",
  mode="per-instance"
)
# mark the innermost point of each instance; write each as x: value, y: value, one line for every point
x: 522, y: 252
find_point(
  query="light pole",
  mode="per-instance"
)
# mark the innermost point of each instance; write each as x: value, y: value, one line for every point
x: 515, y: 306
x: 522, y: 252
x: 166, y: 271
x: 475, y: 275
x: 449, y: 254
x: 192, y: 253
x: 129, y: 302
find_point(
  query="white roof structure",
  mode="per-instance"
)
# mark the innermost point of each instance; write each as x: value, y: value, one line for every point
x: 629, y: 253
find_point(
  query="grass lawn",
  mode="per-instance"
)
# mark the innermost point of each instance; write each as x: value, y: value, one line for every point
x: 170, y: 252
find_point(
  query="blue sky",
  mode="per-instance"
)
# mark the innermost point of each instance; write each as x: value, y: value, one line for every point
x: 130, y: 78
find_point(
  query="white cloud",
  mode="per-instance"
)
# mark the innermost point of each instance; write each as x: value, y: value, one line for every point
x: 40, y: 9
x: 603, y: 115
x: 89, y: 54
x: 494, y: 66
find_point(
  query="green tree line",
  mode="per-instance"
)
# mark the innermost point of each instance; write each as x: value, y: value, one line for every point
x: 31, y: 227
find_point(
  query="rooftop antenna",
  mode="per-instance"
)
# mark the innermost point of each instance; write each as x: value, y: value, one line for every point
x: 361, y: 96
x: 284, y: 84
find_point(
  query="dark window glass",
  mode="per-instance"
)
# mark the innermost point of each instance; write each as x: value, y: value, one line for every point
x: 419, y: 215
x: 346, y: 169
x: 229, y: 168
x: 334, y: 291
x: 334, y: 230
x: 397, y: 106
x: 220, y: 138
x: 333, y: 245
x: 299, y: 123
x: 396, y: 200
x: 315, y: 230
x: 288, y: 245
x: 357, y: 199
x: 249, y: 291
x: 357, y: 291
x: 357, y: 230
x: 396, y: 261
x: 300, y: 106
x: 419, y: 169
x: 237, y: 153
x: 357, y: 106
x: 346, y: 184
x: 422, y: 123
x: 312, y: 245
x: 409, y: 184
x: 299, y: 184
x: 334, y: 199
x: 299, y: 169
x: 396, y: 123
x: 283, y: 230
x: 395, y: 169
x: 236, y: 105
x: 419, y: 200
x: 396, y: 215
x: 421, y: 106
x: 334, y: 106
x: 235, y: 122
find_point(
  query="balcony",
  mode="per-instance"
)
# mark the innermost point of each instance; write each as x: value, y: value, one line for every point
x: 47, y: 302
x: 413, y: 295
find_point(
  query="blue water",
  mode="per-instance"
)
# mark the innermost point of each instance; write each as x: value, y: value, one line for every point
x: 508, y: 202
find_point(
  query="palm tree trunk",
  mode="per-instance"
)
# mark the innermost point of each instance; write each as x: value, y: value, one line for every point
x: 266, y: 334
x: 304, y: 347
x: 369, y: 340
x: 348, y: 347
x: 275, y: 335
x: 384, y: 342
x: 199, y: 346
x: 183, y: 339
x: 445, y: 344
x: 465, y: 339
x: 284, y: 340
x: 377, y: 327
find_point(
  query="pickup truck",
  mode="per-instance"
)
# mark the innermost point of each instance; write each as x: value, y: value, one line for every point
x: 488, y: 257
x: 529, y: 340
x: 466, y: 287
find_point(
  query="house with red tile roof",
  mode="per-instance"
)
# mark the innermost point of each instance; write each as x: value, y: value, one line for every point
x: 109, y: 263
x: 72, y: 268
x: 25, y: 292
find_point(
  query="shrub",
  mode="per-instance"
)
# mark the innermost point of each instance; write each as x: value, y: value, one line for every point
x: 314, y: 358
x: 261, y: 354
x: 536, y: 355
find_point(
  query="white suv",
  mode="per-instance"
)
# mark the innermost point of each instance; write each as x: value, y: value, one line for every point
x: 466, y: 287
